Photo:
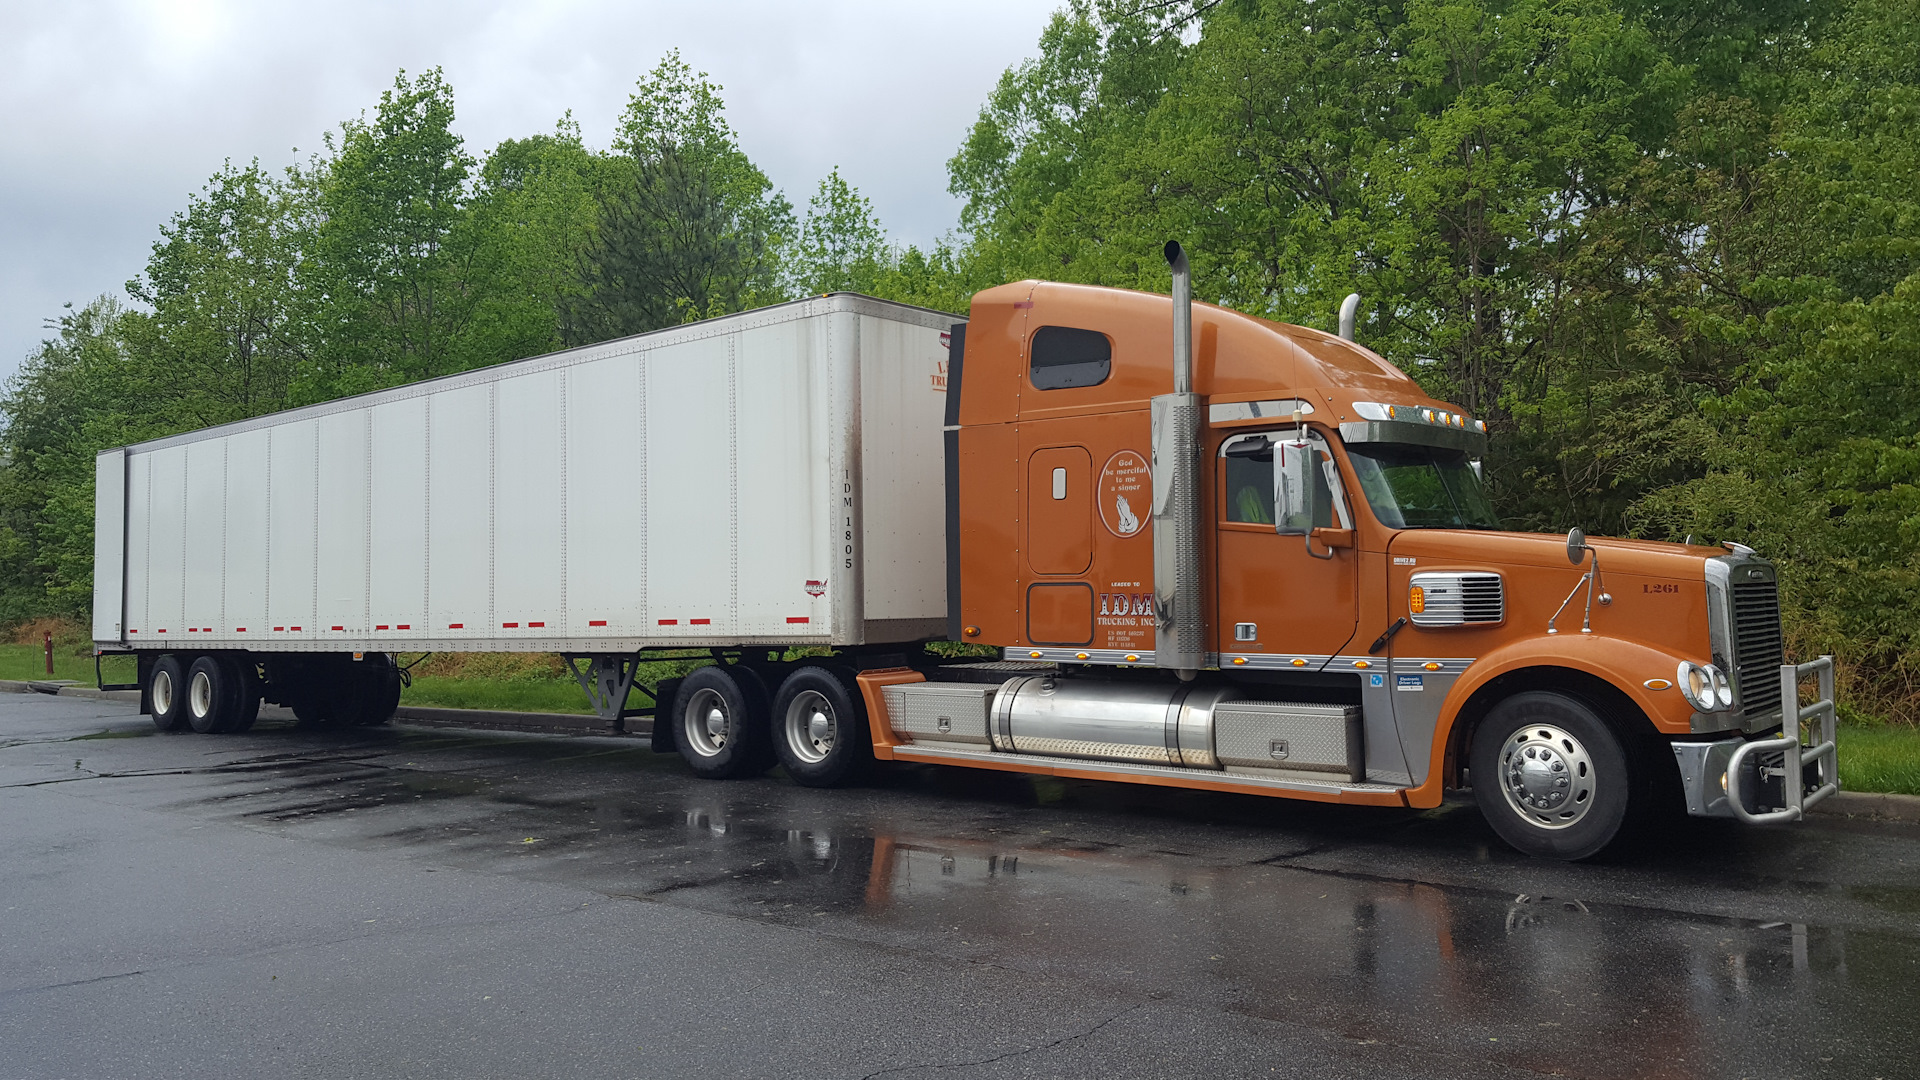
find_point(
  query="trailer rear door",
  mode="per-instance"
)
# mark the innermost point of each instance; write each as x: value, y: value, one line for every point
x: 109, y: 544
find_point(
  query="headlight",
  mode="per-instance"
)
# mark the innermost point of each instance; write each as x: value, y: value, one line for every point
x: 1704, y: 687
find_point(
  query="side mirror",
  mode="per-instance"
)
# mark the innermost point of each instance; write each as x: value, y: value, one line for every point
x: 1294, y: 489
x: 1576, y: 546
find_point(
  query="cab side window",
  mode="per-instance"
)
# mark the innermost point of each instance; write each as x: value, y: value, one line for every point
x: 1062, y: 357
x: 1249, y: 469
x: 1248, y: 464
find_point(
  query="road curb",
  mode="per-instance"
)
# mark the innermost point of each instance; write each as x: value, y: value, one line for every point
x: 1871, y: 804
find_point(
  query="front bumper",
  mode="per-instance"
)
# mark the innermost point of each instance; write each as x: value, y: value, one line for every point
x: 1748, y: 778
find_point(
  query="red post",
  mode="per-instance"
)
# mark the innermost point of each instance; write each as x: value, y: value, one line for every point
x: 49, y: 652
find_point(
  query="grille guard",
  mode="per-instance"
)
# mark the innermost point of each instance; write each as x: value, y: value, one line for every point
x: 1823, y: 755
x: 1731, y: 777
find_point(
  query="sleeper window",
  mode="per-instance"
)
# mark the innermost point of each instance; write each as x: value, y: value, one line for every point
x: 1062, y: 357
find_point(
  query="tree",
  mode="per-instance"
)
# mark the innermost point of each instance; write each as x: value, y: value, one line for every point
x: 841, y: 246
x: 689, y: 228
x: 393, y: 273
x: 222, y: 338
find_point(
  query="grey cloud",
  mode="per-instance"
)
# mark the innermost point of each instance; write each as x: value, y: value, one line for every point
x: 116, y: 111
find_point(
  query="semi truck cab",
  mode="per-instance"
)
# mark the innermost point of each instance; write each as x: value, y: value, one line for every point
x: 1340, y: 615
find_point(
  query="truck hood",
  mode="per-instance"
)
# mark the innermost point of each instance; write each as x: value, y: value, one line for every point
x: 1646, y: 558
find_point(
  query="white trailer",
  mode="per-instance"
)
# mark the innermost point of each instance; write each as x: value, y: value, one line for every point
x: 771, y: 478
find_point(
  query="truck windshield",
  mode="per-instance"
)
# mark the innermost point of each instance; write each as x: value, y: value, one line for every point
x: 1421, y: 487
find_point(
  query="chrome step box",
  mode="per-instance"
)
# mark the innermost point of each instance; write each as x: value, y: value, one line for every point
x: 1291, y: 736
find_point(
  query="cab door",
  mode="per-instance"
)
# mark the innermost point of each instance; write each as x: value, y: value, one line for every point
x: 1286, y: 599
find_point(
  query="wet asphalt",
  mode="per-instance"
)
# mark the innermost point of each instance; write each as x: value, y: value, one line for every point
x: 414, y: 902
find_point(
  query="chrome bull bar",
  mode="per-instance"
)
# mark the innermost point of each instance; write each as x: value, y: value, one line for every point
x: 1824, y: 755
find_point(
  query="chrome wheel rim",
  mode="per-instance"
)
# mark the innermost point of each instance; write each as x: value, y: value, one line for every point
x: 162, y: 692
x: 200, y: 694
x: 707, y: 723
x: 1547, y: 776
x: 810, y: 726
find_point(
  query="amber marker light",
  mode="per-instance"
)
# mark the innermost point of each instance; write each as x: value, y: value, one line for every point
x: 1657, y: 684
x: 1417, y: 600
x: 1431, y: 666
x: 1035, y: 654
x: 1079, y: 656
x: 1363, y: 663
x: 1131, y: 657
x: 1239, y: 659
x: 1297, y: 662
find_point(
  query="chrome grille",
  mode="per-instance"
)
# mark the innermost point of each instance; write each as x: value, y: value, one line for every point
x: 1482, y: 600
x: 1454, y: 599
x: 1758, y: 650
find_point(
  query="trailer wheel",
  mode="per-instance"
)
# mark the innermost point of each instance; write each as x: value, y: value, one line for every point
x: 167, y: 693
x: 1551, y: 776
x: 246, y: 688
x: 720, y: 723
x: 212, y: 698
x: 375, y: 694
x: 820, y: 729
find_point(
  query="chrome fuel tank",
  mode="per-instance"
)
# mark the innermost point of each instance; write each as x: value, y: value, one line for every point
x: 1154, y: 723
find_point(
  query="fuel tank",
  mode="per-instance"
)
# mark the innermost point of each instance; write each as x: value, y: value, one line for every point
x: 1153, y: 723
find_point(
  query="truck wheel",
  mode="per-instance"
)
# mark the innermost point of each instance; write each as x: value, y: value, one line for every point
x: 720, y: 724
x: 820, y: 729
x: 167, y: 693
x: 1551, y: 776
x: 246, y: 689
x: 211, y: 696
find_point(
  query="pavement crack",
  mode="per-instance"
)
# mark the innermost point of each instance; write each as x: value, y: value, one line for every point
x: 22, y: 990
x: 1023, y: 1051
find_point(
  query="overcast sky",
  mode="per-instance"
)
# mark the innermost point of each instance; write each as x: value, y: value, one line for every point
x: 112, y: 112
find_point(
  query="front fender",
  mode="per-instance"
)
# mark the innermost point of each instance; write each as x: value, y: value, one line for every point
x: 1625, y: 665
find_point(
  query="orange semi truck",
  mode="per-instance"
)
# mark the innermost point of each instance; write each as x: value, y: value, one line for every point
x: 1213, y: 551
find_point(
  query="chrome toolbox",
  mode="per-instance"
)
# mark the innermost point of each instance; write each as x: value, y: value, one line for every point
x: 940, y: 711
x: 1289, y: 735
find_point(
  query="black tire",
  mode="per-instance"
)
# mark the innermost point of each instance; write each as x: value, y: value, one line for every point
x: 820, y: 733
x: 211, y: 696
x: 376, y: 691
x: 167, y: 693
x: 310, y: 709
x: 1552, y: 776
x: 246, y: 689
x: 720, y: 723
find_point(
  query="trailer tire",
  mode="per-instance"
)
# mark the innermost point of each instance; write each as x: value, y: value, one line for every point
x: 246, y: 684
x: 1552, y: 776
x: 377, y: 691
x: 167, y: 693
x: 720, y: 723
x: 820, y: 729
x: 212, y: 698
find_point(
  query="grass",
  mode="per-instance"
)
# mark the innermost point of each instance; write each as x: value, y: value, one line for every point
x: 1880, y: 758
x: 28, y: 662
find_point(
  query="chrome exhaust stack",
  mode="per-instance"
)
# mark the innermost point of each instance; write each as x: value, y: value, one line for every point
x: 1349, y: 308
x: 1179, y: 641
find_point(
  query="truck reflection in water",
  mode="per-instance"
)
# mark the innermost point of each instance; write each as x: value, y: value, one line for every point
x: 1552, y: 984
